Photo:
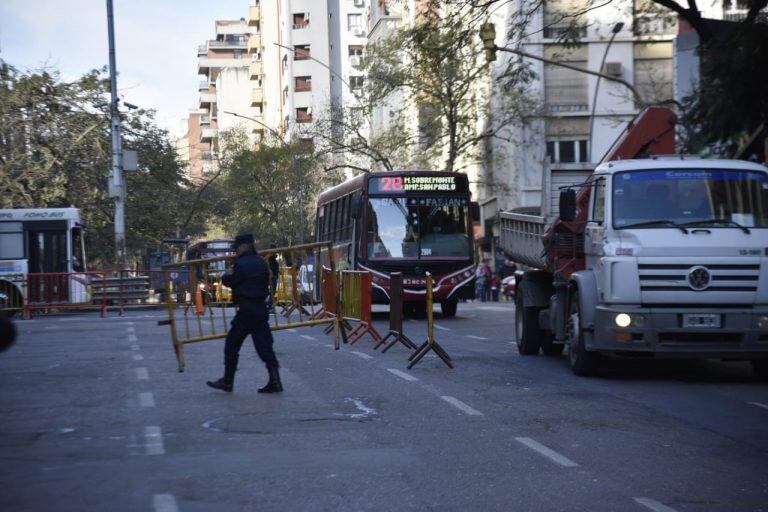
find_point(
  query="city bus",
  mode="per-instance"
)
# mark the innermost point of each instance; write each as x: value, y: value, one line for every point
x: 41, y: 240
x: 216, y: 248
x: 412, y: 222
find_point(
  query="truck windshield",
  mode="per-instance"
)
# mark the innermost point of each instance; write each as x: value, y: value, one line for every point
x: 690, y: 197
x: 417, y: 227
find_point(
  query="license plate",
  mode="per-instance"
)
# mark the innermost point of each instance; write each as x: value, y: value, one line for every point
x: 702, y: 321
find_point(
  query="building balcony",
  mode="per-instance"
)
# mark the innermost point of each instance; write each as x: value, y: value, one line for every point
x: 257, y: 97
x: 207, y: 134
x: 255, y: 70
x: 203, y: 86
x: 202, y: 50
x: 205, y: 120
x: 258, y: 124
x: 254, y: 43
x: 224, y: 28
x: 254, y: 15
x: 204, y: 64
x: 226, y: 44
x: 206, y: 98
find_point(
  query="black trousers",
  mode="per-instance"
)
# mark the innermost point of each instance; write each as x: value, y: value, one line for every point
x: 251, y: 318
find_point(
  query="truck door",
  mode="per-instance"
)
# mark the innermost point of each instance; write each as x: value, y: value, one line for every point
x: 593, y: 234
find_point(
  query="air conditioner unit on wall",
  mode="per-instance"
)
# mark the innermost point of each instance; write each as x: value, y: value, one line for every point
x: 354, y: 61
x: 612, y: 68
x: 360, y: 32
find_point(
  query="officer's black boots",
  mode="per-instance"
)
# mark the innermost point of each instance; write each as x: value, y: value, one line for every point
x: 274, y: 385
x: 226, y: 383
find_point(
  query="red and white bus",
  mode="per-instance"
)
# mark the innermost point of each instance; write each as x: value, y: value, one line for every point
x: 411, y: 222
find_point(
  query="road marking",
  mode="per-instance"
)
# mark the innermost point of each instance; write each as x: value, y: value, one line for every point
x: 291, y: 330
x: 402, y: 375
x: 311, y: 338
x: 329, y: 346
x: 441, y: 328
x: 130, y: 330
x: 653, y: 505
x: 134, y: 347
x: 758, y: 404
x: 548, y: 453
x: 132, y: 338
x: 147, y: 399
x: 154, y: 441
x: 360, y: 354
x: 142, y: 374
x: 164, y: 503
x: 476, y: 337
x: 461, y: 406
x: 138, y: 357
x: 493, y: 308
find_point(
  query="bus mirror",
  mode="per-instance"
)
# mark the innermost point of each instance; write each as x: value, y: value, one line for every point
x: 474, y: 210
x: 568, y: 204
x: 357, y: 206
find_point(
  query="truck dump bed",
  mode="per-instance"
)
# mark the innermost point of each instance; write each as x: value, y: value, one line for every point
x: 522, y: 237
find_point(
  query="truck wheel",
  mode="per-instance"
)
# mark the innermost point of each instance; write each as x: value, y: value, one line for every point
x: 760, y: 368
x: 527, y: 329
x: 549, y: 347
x: 449, y: 307
x: 583, y: 362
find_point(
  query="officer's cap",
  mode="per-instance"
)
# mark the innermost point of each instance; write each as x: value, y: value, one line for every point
x: 243, y: 238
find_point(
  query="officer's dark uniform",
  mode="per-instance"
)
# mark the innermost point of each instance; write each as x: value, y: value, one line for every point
x: 249, y: 282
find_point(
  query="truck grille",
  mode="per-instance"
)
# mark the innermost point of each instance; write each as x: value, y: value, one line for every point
x: 719, y: 282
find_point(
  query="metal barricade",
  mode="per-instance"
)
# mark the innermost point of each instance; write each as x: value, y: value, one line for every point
x: 65, y: 290
x: 12, y: 291
x: 356, y: 304
x: 205, y: 305
x: 396, y: 315
x: 430, y: 343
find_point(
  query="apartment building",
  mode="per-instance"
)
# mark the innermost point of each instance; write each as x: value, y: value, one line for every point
x: 194, y: 153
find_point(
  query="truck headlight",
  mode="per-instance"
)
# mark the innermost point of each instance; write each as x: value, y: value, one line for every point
x: 623, y: 320
x: 762, y: 322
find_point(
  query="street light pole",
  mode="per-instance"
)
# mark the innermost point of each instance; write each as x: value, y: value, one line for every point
x: 616, y: 29
x: 116, y: 184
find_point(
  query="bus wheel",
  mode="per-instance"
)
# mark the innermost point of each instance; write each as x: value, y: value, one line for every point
x: 527, y: 330
x: 448, y: 307
x: 11, y: 300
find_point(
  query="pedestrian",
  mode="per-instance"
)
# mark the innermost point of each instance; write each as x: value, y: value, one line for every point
x: 249, y: 281
x: 485, y: 272
x: 274, y: 269
x: 495, y: 284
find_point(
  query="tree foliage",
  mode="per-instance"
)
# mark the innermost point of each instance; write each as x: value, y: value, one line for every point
x: 55, y: 152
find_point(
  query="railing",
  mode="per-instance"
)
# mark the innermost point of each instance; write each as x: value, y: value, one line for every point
x: 222, y: 44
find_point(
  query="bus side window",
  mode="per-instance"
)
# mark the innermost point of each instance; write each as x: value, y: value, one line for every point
x: 332, y: 222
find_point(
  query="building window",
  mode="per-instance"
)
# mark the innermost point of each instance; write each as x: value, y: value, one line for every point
x: 653, y: 71
x: 355, y: 50
x: 300, y: 20
x: 356, y: 82
x: 354, y: 22
x: 566, y: 90
x: 561, y: 20
x: 304, y: 115
x: 567, y: 151
x: 303, y: 83
x: 301, y: 52
x: 651, y: 18
x: 238, y: 54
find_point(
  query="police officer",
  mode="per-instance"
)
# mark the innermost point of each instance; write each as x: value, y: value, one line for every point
x: 249, y: 280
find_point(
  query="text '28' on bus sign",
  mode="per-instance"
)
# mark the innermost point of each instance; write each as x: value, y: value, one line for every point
x: 405, y: 184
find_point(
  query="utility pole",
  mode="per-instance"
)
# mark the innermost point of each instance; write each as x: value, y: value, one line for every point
x: 116, y: 183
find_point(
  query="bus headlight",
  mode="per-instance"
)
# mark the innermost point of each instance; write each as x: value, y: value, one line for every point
x: 623, y: 320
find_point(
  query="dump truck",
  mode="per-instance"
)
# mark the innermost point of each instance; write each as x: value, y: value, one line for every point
x: 652, y: 255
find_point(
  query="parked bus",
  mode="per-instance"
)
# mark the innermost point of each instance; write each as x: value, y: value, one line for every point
x: 411, y: 222
x: 213, y: 249
x: 40, y: 240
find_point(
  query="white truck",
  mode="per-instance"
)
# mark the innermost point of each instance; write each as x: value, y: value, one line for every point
x: 660, y: 257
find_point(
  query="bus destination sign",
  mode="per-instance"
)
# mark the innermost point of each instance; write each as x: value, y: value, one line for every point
x: 405, y: 184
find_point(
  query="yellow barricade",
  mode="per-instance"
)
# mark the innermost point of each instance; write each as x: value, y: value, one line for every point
x: 200, y: 307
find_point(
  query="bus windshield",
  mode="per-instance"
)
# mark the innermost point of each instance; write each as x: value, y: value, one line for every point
x: 690, y: 197
x: 417, y: 228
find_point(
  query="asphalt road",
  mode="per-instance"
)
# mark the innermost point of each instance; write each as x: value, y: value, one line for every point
x: 96, y: 417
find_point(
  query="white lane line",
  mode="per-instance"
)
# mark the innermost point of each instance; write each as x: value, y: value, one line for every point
x: 653, y: 505
x: 132, y: 338
x: 291, y: 330
x: 493, y: 308
x: 461, y: 406
x: 164, y: 503
x: 758, y: 404
x: 306, y: 337
x: 360, y: 354
x: 130, y: 330
x: 138, y: 357
x: 476, y: 337
x: 547, y: 452
x: 329, y: 345
x: 441, y: 328
x: 153, y: 438
x: 402, y: 375
x: 142, y: 374
x: 147, y: 399
x: 134, y: 347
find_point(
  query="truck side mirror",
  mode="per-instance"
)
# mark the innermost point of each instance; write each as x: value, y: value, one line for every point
x: 568, y: 204
x: 474, y: 211
x: 357, y: 206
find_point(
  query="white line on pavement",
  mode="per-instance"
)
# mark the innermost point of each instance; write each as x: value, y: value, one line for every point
x: 758, y: 404
x: 653, y: 505
x: 476, y: 337
x: 402, y: 374
x: 548, y: 453
x: 360, y: 354
x: 291, y: 330
x: 138, y: 357
x: 329, y: 345
x: 461, y: 406
x: 147, y: 399
x: 132, y: 338
x: 134, y: 347
x: 130, y: 330
x: 153, y: 437
x: 164, y: 503
x: 441, y: 328
x: 493, y: 308
x: 306, y: 337
x: 142, y: 374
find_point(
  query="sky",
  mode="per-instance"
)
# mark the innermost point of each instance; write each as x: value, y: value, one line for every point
x: 156, y: 44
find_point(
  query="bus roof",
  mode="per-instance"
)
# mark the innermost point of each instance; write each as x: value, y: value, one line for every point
x: 33, y: 214
x: 359, y: 181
